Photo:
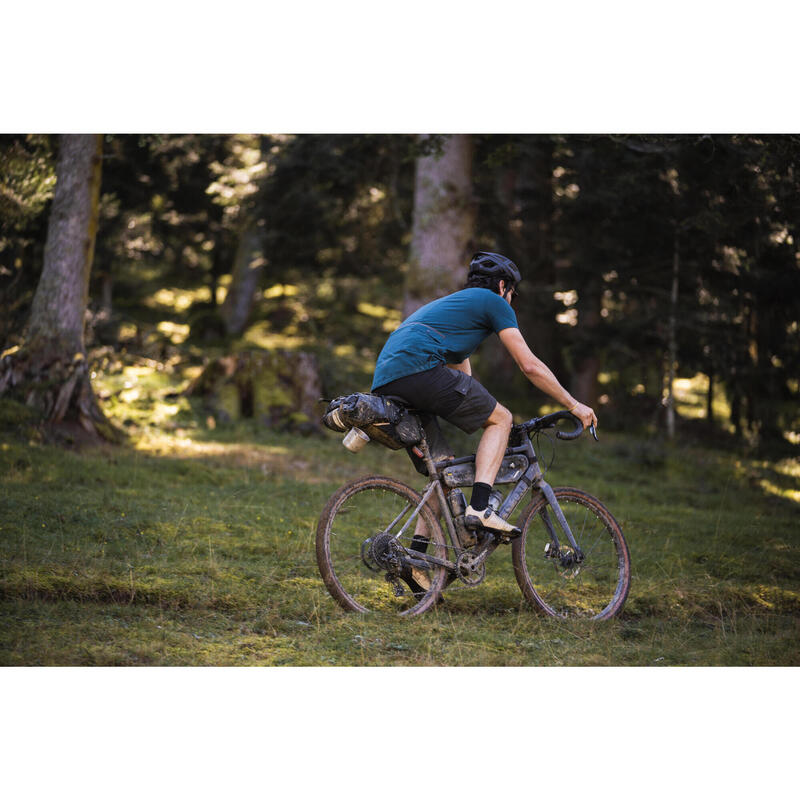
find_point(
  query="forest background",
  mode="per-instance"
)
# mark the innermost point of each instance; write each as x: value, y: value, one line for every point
x: 653, y: 264
x: 178, y: 309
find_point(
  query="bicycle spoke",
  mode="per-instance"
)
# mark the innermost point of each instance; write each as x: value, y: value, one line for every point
x: 595, y: 587
x: 361, y: 555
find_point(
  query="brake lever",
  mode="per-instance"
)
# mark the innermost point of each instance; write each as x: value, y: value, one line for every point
x: 593, y: 431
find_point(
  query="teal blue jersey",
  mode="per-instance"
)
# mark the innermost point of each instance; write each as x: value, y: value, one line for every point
x: 446, y: 331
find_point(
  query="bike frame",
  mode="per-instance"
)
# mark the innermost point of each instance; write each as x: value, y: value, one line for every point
x: 532, y: 479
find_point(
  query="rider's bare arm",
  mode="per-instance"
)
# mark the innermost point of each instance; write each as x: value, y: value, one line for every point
x: 540, y: 375
x: 464, y: 366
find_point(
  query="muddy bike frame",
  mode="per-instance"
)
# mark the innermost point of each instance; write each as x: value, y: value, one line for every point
x: 532, y: 478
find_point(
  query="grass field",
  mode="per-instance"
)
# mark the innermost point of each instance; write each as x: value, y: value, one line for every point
x: 192, y: 547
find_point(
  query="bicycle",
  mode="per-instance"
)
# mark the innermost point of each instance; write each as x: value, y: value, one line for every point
x: 571, y: 559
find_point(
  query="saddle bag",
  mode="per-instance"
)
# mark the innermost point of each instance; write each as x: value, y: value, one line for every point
x: 381, y: 419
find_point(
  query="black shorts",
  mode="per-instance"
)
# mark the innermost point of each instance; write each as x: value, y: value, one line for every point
x: 447, y: 393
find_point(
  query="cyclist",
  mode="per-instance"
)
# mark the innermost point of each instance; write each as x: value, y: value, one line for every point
x: 425, y: 362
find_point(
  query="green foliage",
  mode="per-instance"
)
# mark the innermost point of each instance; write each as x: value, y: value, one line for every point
x: 594, y: 222
x: 27, y: 179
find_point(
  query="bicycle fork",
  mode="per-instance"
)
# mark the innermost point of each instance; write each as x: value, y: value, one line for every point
x: 534, y: 480
x: 549, y: 494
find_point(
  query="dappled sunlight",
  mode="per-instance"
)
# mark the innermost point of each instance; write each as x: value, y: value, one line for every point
x: 280, y: 290
x: 691, y: 400
x: 177, y: 299
x: 772, y: 488
x: 261, y: 335
x: 779, y: 479
x: 173, y: 331
x: 785, y: 472
x: 390, y: 317
x: 223, y: 284
x: 182, y: 445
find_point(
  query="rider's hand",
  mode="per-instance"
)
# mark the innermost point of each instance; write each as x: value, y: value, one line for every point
x: 585, y: 415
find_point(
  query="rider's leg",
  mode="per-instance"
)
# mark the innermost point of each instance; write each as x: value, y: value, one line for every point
x: 488, y: 458
x: 420, y: 579
x: 421, y: 529
x: 492, y: 445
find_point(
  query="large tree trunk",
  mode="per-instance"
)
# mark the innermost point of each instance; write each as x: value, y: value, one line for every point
x: 444, y: 219
x: 50, y: 372
x: 247, y: 268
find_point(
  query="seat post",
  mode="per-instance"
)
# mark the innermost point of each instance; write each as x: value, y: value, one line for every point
x: 430, y: 465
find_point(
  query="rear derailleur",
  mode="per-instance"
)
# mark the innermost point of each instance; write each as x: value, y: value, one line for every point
x: 383, y: 553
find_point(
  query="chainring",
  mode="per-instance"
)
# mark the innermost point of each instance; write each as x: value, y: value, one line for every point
x: 468, y: 571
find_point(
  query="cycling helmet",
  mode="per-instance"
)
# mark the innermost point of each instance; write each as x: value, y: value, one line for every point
x: 495, y: 266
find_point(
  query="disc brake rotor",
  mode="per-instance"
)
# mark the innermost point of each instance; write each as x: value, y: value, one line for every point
x: 567, y: 564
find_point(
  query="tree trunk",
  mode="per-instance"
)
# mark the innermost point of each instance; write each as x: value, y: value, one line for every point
x: 672, y: 345
x: 587, y: 367
x: 537, y: 310
x: 50, y: 372
x: 443, y: 223
x: 247, y: 268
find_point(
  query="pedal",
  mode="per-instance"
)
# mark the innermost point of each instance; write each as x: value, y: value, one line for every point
x: 472, y: 523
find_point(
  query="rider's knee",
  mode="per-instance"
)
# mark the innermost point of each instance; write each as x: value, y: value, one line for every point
x: 501, y: 416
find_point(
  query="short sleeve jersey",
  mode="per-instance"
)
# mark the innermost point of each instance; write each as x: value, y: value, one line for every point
x: 445, y: 331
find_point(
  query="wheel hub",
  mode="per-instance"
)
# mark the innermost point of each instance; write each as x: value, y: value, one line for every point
x: 565, y: 560
x: 382, y: 552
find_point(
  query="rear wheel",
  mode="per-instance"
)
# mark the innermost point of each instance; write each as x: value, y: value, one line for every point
x: 552, y: 578
x: 360, y: 536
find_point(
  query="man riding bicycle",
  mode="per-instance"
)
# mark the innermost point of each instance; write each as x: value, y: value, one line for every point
x: 425, y: 362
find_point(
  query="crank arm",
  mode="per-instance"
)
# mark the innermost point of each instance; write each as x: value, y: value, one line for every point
x: 487, y: 548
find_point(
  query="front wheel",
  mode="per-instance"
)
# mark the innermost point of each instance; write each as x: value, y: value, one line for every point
x: 553, y: 577
x: 360, y: 539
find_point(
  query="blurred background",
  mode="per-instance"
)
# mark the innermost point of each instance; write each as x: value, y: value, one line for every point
x: 661, y: 272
